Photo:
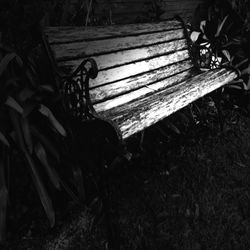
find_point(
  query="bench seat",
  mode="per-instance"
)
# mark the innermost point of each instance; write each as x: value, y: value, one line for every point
x: 145, y: 72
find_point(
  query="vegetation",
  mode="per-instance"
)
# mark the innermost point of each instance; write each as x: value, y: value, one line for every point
x: 224, y: 36
x: 187, y: 189
x: 33, y: 128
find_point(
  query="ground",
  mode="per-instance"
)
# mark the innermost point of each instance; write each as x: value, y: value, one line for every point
x: 186, y: 187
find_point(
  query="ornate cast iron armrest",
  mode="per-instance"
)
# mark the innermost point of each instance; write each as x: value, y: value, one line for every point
x: 75, y: 88
x: 202, y: 55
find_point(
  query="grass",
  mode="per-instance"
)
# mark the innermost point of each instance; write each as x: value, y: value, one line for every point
x: 186, y: 191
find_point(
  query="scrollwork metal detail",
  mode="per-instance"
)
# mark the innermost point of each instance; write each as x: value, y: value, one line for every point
x: 202, y: 55
x: 76, y: 90
x: 205, y: 57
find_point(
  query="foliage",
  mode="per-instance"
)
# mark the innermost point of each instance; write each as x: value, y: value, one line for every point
x: 28, y: 127
x: 33, y: 121
x: 155, y: 10
x: 224, y: 38
x: 78, y: 13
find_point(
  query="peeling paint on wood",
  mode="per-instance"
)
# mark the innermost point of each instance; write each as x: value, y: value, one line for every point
x: 140, y: 93
x: 144, y: 112
x: 67, y: 51
x: 125, y: 71
x: 128, y: 56
x: 118, y: 88
x: 71, y: 34
x: 144, y: 70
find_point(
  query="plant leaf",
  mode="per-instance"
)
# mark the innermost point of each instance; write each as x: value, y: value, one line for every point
x: 47, y: 143
x: 29, y: 107
x: 15, y: 119
x: 11, y: 102
x: 5, y: 62
x: 248, y: 84
x: 46, y: 112
x: 3, y: 202
x: 31, y: 78
x: 194, y: 36
x: 246, y: 71
x: 42, y: 156
x: 25, y: 94
x: 171, y: 126
x: 44, y: 197
x: 69, y: 191
x: 26, y: 134
x: 202, y: 25
x: 47, y: 88
x: 226, y: 54
x: 12, y: 81
x: 3, y: 139
x: 220, y: 26
x: 244, y: 86
x: 77, y: 173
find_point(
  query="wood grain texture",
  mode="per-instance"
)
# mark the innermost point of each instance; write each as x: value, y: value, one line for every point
x: 69, y: 34
x: 119, y: 58
x: 135, y: 82
x: 132, y: 69
x: 146, y: 90
x: 68, y: 51
x: 144, y: 112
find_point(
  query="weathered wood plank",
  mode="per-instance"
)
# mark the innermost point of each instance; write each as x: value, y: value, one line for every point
x: 128, y: 56
x: 66, y: 34
x: 137, y: 115
x: 117, y: 88
x: 69, y: 51
x: 140, y: 93
x: 132, y: 69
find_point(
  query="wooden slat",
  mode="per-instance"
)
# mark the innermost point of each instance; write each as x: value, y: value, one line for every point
x: 126, y: 71
x: 137, y: 115
x: 70, y: 34
x: 128, y: 56
x: 142, y: 92
x: 84, y: 49
x: 115, y: 89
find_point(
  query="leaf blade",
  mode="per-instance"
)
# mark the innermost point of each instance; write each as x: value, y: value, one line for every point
x: 11, y: 102
x: 5, y: 62
x: 4, y: 140
x: 44, y: 197
x: 47, y: 112
x: 42, y: 156
x: 3, y: 202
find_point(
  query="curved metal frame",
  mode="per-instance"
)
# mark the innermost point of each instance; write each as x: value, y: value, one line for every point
x: 200, y: 62
x: 75, y: 88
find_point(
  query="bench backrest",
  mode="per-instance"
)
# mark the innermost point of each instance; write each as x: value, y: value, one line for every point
x: 133, y: 60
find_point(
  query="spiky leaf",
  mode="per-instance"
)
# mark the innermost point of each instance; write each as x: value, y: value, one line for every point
x: 3, y: 202
x: 4, y: 140
x: 42, y: 156
x: 47, y: 112
x: 11, y: 102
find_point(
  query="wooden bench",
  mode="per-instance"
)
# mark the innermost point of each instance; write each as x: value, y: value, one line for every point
x: 145, y: 71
